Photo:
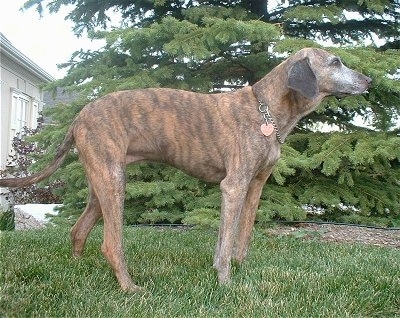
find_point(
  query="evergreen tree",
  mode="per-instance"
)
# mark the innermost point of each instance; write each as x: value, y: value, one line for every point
x: 213, y: 46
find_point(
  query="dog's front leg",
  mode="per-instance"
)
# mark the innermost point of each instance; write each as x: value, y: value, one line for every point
x: 233, y: 195
x: 248, y: 215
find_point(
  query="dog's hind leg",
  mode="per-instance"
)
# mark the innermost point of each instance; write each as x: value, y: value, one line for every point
x: 248, y: 216
x: 85, y: 223
x: 108, y: 182
x: 104, y: 163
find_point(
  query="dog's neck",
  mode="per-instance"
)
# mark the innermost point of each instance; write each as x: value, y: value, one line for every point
x: 286, y: 106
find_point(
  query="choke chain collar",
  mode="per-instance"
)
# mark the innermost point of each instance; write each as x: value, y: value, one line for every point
x: 266, y: 128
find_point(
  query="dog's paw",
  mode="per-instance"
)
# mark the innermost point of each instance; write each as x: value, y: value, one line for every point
x: 133, y: 288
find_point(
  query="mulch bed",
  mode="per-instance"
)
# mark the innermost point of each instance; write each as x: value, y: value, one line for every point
x: 340, y: 233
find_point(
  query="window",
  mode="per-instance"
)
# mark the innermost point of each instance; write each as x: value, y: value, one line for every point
x: 34, y: 114
x: 24, y: 113
x: 19, y: 112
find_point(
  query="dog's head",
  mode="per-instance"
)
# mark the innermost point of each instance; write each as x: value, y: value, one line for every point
x: 317, y: 73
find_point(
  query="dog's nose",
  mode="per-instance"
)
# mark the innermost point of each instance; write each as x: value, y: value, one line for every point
x: 368, y: 80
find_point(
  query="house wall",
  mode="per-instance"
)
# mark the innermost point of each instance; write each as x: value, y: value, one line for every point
x: 21, y: 98
x: 20, y: 102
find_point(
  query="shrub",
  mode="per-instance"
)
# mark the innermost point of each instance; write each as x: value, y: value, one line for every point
x: 23, y: 155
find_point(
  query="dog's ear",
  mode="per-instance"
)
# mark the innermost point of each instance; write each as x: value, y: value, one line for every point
x: 302, y: 79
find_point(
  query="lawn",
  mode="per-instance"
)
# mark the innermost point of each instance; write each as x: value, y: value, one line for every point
x: 283, y: 277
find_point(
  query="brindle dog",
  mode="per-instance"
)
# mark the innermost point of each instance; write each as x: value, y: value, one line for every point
x: 231, y: 138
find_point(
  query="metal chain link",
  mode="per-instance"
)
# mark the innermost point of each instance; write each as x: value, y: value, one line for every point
x: 264, y: 109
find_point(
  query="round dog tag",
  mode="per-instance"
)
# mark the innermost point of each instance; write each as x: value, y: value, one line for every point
x: 267, y: 129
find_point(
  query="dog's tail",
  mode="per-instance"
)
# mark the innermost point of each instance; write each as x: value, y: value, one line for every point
x: 61, y: 154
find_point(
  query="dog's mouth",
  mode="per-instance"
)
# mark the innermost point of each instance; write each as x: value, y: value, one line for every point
x: 356, y: 88
x: 342, y: 94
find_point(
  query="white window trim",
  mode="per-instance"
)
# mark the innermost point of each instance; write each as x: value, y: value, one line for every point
x: 24, y: 113
x: 21, y: 105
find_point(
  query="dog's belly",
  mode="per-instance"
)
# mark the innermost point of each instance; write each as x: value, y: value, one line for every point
x: 207, y: 169
x: 204, y: 172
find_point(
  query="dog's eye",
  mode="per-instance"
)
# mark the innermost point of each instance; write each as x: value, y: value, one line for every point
x: 336, y: 61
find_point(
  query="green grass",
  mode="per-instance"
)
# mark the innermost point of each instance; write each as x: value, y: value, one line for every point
x: 283, y: 277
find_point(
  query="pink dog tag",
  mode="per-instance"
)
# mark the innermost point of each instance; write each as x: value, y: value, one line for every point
x: 267, y: 129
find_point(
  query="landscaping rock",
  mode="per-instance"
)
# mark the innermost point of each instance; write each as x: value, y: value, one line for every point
x: 25, y: 221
